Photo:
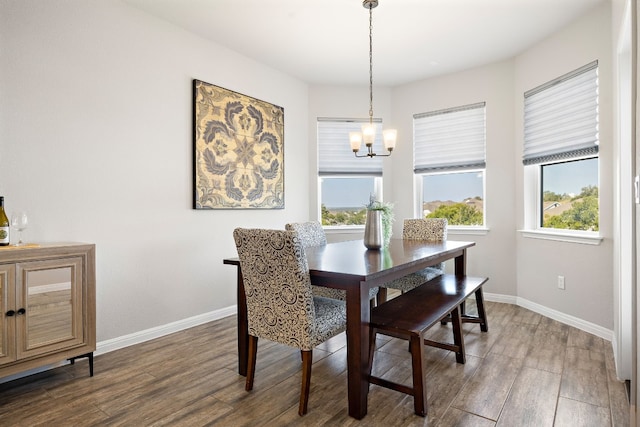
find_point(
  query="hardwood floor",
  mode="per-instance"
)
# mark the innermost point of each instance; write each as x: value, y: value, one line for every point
x: 528, y: 370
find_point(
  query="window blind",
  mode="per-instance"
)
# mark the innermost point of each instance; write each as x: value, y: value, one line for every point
x: 334, y: 152
x: 450, y: 139
x: 561, y: 117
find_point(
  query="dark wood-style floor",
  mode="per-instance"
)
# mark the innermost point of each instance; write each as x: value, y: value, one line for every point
x: 528, y: 370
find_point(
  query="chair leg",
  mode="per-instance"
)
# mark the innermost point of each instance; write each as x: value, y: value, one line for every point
x: 419, y: 390
x: 251, y: 362
x: 372, y: 347
x: 458, y: 339
x: 484, y: 324
x: 307, y: 359
x: 382, y: 295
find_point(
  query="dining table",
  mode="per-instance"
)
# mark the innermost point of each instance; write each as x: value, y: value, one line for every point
x: 350, y: 266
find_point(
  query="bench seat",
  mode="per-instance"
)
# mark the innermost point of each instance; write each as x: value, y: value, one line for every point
x: 411, y: 314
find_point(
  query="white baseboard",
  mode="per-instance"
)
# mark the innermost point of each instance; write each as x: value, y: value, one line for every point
x: 136, y: 338
x: 506, y: 299
x: 567, y: 319
x: 159, y: 331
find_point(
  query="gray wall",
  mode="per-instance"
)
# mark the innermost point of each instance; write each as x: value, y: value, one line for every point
x: 95, y: 143
x: 493, y: 256
x: 588, y: 269
x: 521, y: 270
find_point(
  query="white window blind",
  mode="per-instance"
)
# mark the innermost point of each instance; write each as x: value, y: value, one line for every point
x: 561, y: 117
x: 334, y: 151
x: 451, y: 139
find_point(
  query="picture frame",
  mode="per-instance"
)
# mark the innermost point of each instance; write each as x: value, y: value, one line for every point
x: 238, y: 144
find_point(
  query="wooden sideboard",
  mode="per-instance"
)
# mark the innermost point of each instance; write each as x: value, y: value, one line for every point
x: 48, y: 305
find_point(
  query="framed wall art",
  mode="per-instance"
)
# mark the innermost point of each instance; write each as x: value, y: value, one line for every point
x: 238, y: 150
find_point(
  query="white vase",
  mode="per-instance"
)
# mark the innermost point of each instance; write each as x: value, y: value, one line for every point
x: 373, y: 230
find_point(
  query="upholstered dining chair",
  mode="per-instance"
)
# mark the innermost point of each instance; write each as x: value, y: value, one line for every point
x: 280, y: 303
x: 312, y: 234
x: 429, y: 229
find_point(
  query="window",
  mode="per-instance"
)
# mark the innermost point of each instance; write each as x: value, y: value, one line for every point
x: 449, y: 164
x: 561, y: 150
x: 570, y: 195
x: 345, y: 182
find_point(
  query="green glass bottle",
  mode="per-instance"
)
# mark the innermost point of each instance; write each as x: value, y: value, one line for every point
x: 4, y: 225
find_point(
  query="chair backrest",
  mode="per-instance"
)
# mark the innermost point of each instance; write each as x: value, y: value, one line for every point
x: 430, y: 229
x: 311, y: 233
x: 277, y: 285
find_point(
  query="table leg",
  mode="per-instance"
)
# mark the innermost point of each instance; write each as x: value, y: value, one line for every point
x: 460, y: 264
x: 460, y: 269
x: 243, y: 328
x: 358, y: 315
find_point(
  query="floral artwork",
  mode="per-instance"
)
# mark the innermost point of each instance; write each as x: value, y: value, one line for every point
x: 238, y: 150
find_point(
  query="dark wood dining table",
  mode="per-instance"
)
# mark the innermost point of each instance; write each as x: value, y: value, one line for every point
x: 352, y: 267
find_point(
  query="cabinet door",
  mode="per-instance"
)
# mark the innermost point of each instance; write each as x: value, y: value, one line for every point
x: 7, y: 322
x: 51, y: 293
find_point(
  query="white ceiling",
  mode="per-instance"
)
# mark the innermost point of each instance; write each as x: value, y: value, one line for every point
x: 327, y: 41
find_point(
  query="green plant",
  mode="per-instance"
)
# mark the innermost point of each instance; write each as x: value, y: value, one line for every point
x: 583, y: 212
x: 387, y: 217
x: 458, y: 214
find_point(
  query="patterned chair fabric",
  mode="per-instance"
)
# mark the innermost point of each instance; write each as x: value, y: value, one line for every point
x: 280, y: 304
x: 312, y: 234
x: 429, y: 229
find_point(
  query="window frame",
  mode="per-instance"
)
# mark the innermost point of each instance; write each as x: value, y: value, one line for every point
x: 377, y: 185
x: 533, y: 215
x: 451, y: 166
x: 377, y: 175
x: 419, y: 185
x: 532, y: 172
x: 540, y: 221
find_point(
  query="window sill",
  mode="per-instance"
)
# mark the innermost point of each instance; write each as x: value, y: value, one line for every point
x: 476, y: 231
x: 343, y: 229
x: 580, y: 237
x: 350, y: 229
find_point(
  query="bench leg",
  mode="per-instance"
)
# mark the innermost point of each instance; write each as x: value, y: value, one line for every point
x: 463, y: 313
x: 458, y: 339
x: 481, y: 318
x: 484, y: 324
x: 419, y: 390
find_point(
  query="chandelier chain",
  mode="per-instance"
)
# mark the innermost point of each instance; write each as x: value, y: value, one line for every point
x: 370, y: 64
x: 368, y: 131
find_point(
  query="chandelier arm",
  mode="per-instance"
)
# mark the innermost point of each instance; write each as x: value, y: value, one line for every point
x: 372, y: 155
x: 362, y: 155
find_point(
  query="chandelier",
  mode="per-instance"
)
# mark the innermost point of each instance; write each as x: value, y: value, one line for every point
x: 368, y: 133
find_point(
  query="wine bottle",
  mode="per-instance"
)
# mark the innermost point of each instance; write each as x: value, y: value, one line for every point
x: 4, y: 225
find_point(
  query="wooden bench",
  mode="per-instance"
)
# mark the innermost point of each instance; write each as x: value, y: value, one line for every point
x: 411, y: 314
